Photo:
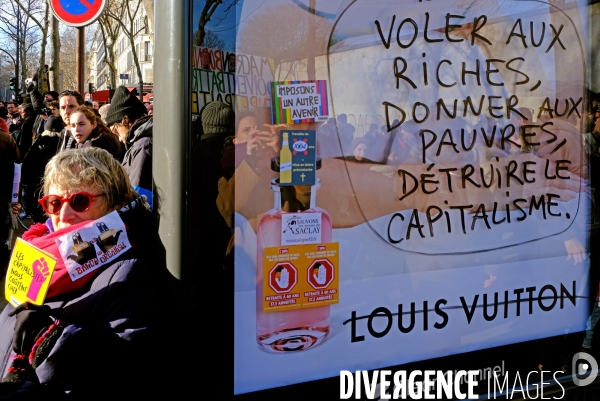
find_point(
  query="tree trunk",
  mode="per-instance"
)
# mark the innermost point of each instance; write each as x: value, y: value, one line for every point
x: 207, y: 12
x: 42, y: 77
x: 54, y: 65
x: 138, y: 69
x: 110, y: 61
x: 23, y: 65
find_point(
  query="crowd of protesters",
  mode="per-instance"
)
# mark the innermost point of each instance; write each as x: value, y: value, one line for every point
x: 90, y: 339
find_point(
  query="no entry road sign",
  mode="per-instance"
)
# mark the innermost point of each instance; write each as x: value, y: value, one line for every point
x: 77, y: 12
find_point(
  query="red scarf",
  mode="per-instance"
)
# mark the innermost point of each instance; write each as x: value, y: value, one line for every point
x: 61, y: 282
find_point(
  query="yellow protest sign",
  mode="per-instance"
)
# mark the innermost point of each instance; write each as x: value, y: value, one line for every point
x: 301, y: 276
x: 28, y: 274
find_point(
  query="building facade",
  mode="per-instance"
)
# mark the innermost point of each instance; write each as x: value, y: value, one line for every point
x: 127, y: 74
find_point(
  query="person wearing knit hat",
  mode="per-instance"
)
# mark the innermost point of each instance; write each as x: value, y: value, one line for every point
x: 124, y: 104
x: 218, y: 123
x: 127, y: 119
x: 50, y: 95
x: 217, y: 119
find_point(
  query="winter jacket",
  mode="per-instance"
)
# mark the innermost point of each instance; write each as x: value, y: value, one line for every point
x: 138, y: 159
x: 114, y: 341
x: 106, y: 140
x: 66, y: 140
x: 25, y: 136
x: 37, y: 100
x: 34, y: 163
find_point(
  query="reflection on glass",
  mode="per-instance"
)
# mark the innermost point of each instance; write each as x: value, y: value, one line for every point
x: 455, y: 171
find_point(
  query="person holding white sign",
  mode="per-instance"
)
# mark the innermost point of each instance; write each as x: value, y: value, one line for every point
x: 96, y: 315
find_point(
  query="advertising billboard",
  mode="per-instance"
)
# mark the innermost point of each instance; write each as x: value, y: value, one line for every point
x: 450, y: 209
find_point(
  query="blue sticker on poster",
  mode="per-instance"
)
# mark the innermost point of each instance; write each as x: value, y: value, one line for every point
x: 298, y: 157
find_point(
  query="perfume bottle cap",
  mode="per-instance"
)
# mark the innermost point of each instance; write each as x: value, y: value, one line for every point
x: 275, y: 163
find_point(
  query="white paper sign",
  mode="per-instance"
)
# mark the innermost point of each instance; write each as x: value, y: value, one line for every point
x: 300, y: 98
x: 300, y: 228
x: 93, y: 245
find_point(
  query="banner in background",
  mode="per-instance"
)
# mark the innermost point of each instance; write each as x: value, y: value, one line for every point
x: 239, y: 80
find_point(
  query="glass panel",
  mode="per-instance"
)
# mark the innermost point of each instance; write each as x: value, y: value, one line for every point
x: 454, y: 211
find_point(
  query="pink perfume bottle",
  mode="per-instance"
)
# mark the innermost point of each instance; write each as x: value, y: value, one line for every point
x: 298, y: 329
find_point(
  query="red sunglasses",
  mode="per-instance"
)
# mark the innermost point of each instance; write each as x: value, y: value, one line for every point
x: 79, y: 202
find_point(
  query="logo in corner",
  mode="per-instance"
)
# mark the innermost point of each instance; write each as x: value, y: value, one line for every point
x: 584, y: 368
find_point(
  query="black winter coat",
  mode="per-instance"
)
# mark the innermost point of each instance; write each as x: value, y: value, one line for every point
x: 25, y: 137
x: 106, y: 140
x: 138, y: 159
x: 114, y: 343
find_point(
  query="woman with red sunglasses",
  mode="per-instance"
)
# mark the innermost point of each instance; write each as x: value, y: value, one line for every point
x: 95, y: 335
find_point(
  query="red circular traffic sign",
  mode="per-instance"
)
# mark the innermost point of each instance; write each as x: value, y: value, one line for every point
x: 77, y: 12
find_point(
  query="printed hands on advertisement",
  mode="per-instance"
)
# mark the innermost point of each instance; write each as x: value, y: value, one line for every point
x: 321, y: 277
x: 575, y: 250
x: 284, y: 281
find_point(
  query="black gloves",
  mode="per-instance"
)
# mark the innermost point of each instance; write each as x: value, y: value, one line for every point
x: 32, y: 321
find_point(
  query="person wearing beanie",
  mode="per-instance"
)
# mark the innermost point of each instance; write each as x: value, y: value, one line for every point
x: 34, y: 163
x: 213, y: 234
x: 217, y: 119
x: 127, y: 118
x: 124, y: 105
x: 50, y: 95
